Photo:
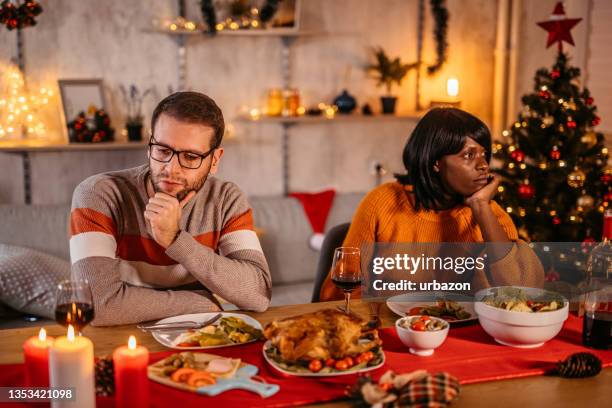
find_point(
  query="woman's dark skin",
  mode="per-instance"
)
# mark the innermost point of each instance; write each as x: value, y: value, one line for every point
x: 467, y: 173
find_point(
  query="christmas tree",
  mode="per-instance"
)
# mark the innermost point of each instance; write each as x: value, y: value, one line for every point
x: 555, y: 178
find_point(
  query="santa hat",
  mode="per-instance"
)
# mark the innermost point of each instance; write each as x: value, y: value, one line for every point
x: 317, y: 207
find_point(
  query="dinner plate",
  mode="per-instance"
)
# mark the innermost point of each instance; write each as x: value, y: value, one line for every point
x: 169, y: 338
x: 401, y: 304
x: 275, y: 365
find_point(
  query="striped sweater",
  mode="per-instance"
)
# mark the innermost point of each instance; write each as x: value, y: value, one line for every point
x: 387, y: 215
x: 216, y: 252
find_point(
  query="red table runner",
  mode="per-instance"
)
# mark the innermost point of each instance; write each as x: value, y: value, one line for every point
x: 469, y: 354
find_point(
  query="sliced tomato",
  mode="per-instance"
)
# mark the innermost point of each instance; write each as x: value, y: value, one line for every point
x: 188, y: 344
x: 418, y: 326
x: 341, y: 365
x: 415, y: 311
x: 315, y: 366
x: 330, y: 362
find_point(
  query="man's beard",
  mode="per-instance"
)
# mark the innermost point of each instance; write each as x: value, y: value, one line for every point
x: 196, y: 186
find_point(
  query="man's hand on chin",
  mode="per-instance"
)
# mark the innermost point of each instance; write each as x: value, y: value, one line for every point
x: 163, y: 212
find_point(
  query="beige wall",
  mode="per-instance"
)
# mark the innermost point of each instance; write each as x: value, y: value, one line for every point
x: 107, y: 39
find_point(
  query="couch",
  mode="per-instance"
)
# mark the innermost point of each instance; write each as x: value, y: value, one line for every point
x: 281, y: 222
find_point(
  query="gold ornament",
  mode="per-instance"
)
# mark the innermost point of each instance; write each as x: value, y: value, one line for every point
x: 547, y: 120
x: 585, y: 201
x: 589, y: 139
x: 576, y: 178
x: 575, y: 217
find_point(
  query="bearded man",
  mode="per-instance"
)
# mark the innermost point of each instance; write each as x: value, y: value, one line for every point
x: 168, y: 238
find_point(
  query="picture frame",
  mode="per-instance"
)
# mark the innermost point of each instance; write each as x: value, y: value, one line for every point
x: 78, y: 95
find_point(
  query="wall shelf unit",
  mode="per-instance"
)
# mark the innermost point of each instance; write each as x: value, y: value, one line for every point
x: 290, y: 121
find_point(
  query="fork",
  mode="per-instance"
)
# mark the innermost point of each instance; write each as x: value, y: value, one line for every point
x: 188, y: 324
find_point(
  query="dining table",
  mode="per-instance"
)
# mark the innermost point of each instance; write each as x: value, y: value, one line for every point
x: 532, y: 391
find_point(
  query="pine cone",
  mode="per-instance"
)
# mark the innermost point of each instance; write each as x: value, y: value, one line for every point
x: 105, y: 377
x: 579, y: 365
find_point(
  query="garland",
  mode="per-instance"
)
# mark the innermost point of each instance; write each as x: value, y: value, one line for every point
x: 208, y: 13
x: 268, y: 10
x: 440, y: 15
x: 17, y: 16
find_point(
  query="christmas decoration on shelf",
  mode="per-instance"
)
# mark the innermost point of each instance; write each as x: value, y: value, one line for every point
x: 242, y: 16
x: 559, y: 175
x: 20, y: 108
x: 17, y: 15
x: 93, y: 127
x: 134, y: 119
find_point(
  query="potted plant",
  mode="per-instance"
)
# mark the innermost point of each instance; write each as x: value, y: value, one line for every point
x: 388, y: 71
x: 134, y: 119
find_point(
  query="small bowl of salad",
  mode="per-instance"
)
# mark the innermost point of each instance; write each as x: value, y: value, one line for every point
x: 422, y: 334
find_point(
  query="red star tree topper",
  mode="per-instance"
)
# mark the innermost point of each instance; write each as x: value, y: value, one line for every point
x: 558, y: 27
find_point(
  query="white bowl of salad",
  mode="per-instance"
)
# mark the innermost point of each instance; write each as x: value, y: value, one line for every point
x: 520, y: 316
x: 422, y: 334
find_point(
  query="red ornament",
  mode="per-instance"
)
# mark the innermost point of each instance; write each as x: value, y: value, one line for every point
x: 589, y: 101
x: 556, y: 220
x: 608, y: 196
x: 517, y: 155
x: 552, y: 276
x: 544, y: 94
x: 554, y: 74
x: 555, y: 154
x: 587, y: 244
x: 571, y: 124
x: 606, y: 178
x: 526, y: 191
x: 558, y: 27
x: 596, y: 121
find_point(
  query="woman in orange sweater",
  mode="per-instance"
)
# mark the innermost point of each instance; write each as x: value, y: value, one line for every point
x: 446, y: 195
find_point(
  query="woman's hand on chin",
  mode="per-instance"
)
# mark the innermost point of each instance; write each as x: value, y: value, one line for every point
x: 484, y: 195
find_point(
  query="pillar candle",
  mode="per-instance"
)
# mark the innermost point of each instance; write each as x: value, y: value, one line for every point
x: 36, y: 356
x: 71, y: 364
x: 131, y: 381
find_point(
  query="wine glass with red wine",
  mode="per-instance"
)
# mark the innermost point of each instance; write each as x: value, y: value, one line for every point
x: 74, y: 304
x: 346, y: 272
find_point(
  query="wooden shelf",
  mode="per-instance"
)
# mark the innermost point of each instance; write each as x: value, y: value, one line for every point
x: 271, y: 32
x: 307, y: 119
x: 25, y: 146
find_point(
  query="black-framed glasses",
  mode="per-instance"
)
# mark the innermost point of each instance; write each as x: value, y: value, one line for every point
x: 187, y: 159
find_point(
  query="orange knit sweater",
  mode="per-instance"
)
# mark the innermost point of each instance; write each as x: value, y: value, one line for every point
x: 387, y: 214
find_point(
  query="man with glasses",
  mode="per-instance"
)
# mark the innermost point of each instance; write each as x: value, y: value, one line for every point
x: 169, y: 238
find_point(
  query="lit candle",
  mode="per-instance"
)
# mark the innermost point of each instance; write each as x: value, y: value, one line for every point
x: 452, y: 87
x: 36, y: 356
x: 131, y: 382
x: 71, y: 364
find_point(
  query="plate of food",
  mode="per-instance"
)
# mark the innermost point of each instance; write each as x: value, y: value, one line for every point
x: 452, y: 307
x: 231, y: 329
x: 325, y: 343
x: 208, y: 374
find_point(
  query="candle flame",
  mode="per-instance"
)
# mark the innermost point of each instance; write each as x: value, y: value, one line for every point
x: 70, y: 334
x: 42, y: 334
x: 452, y: 87
x: 132, y: 343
